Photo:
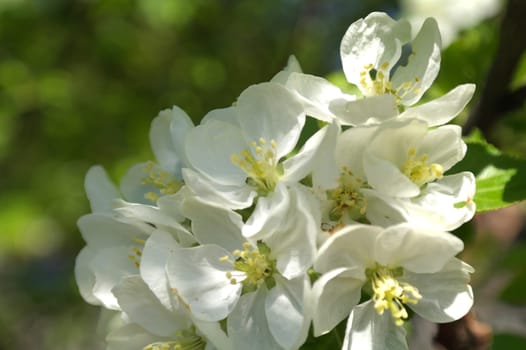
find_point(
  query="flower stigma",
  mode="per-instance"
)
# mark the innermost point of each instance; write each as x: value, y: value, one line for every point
x: 260, y: 165
x: 389, y: 293
x: 186, y: 339
x: 253, y: 267
x: 417, y: 169
x: 347, y: 198
x: 165, y: 182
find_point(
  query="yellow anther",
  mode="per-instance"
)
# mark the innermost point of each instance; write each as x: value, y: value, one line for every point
x: 165, y: 182
x: 347, y: 197
x: 252, y: 265
x: 417, y: 169
x: 391, y: 294
x: 261, y: 166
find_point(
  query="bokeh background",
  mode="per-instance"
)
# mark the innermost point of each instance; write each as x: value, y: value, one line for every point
x: 81, y: 80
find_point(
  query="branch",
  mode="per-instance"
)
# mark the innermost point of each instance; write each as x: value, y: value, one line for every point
x: 496, y: 90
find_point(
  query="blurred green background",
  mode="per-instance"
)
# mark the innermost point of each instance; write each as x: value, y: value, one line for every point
x: 80, y: 82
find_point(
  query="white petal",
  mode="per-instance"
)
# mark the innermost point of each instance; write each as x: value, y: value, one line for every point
x: 300, y: 165
x: 294, y: 243
x: 376, y: 39
x: 366, y: 330
x: 385, y: 177
x: 214, y: 225
x: 167, y: 134
x: 200, y: 279
x: 130, y: 336
x: 84, y: 275
x: 269, y: 214
x: 352, y: 246
x: 451, y: 199
x: 272, y: 112
x: 315, y: 93
x: 368, y: 110
x: 423, y: 65
x: 215, y: 336
x: 100, y: 189
x: 446, y: 294
x: 356, y: 139
x: 334, y: 294
x: 143, y: 308
x: 442, y: 205
x: 230, y: 196
x: 285, y: 312
x: 102, y: 231
x: 209, y: 148
x: 441, y: 110
x: 421, y: 250
x: 247, y: 324
x: 225, y: 115
x: 110, y: 266
x: 444, y: 145
x: 153, y: 266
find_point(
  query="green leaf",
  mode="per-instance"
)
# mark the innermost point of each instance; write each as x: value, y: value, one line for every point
x: 501, y: 178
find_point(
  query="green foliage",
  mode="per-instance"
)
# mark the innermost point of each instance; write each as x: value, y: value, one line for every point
x: 508, y: 342
x: 501, y: 179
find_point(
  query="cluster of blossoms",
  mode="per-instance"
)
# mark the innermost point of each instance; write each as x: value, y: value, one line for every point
x: 242, y: 235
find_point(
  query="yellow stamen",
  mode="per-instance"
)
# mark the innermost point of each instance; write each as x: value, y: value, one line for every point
x: 261, y: 165
x: 417, y: 169
x: 391, y: 294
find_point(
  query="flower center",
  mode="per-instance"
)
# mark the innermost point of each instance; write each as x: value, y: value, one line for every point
x: 253, y: 266
x: 347, y: 198
x: 375, y: 81
x: 260, y: 165
x: 391, y: 294
x: 419, y: 171
x: 165, y: 182
x: 186, y: 339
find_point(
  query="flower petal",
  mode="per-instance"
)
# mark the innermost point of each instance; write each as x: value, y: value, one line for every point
x: 167, y: 133
x: 300, y: 165
x: 285, y: 312
x: 231, y: 196
x: 143, y: 308
x: 351, y: 246
x: 272, y: 112
x: 368, y: 110
x: 248, y: 325
x: 417, y: 249
x: 423, y: 66
x: 334, y: 295
x: 366, y: 330
x: 214, y: 225
x: 446, y: 294
x: 210, y: 147
x: 100, y: 189
x: 199, y: 277
x: 441, y: 110
x: 158, y: 247
x: 376, y: 40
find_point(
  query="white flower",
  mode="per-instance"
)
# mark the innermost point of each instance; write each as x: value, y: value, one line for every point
x: 399, y: 267
x: 259, y: 285
x: 393, y: 173
x: 238, y: 153
x: 147, y: 182
x: 371, y: 50
x: 113, y: 251
x: 150, y: 326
